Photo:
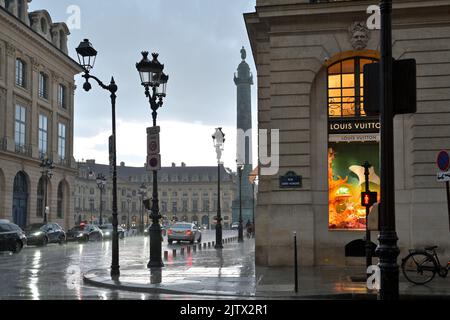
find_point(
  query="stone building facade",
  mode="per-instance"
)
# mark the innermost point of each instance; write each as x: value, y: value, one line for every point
x: 309, y: 57
x: 185, y: 194
x: 36, y: 115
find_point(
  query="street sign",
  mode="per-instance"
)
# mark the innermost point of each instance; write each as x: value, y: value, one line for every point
x: 291, y: 180
x: 153, y: 144
x: 443, y: 161
x: 443, y: 176
x: 154, y: 162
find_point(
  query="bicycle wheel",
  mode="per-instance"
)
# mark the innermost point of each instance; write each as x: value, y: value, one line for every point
x: 419, y: 268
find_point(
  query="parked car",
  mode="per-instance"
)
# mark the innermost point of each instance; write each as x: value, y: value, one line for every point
x: 41, y: 234
x: 12, y: 238
x: 235, y: 226
x: 85, y: 233
x: 183, y: 231
x: 107, y: 230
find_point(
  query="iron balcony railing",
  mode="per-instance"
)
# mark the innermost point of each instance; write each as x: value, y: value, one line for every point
x: 23, y: 149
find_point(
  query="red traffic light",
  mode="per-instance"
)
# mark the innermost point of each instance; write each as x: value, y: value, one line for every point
x: 368, y: 199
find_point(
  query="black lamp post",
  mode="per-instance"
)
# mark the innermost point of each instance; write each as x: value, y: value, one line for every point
x: 152, y: 77
x: 101, y: 183
x: 87, y: 56
x: 387, y: 250
x: 128, y: 213
x: 142, y: 192
x: 47, y: 167
x: 240, y: 168
x: 218, y: 140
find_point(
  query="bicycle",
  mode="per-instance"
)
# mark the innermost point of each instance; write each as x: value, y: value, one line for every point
x: 421, y: 266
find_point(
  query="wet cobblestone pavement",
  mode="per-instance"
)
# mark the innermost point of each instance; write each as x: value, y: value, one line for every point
x: 55, y: 272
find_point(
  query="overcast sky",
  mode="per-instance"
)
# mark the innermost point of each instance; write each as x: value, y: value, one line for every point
x: 199, y: 42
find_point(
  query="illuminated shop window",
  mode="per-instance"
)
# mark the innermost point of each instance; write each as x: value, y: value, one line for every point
x: 352, y: 142
x: 346, y: 87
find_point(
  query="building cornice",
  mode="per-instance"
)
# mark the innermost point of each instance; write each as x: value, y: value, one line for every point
x: 339, y: 7
x: 31, y: 35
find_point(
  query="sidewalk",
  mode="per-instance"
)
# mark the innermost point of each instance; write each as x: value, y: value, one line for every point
x: 231, y: 272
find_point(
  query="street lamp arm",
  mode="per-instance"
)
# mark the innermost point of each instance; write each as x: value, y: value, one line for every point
x: 112, y: 87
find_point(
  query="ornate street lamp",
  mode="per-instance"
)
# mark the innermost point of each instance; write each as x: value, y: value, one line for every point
x: 101, y: 183
x: 240, y: 168
x: 47, y: 167
x: 152, y: 77
x: 87, y: 56
x: 142, y: 192
x: 218, y: 141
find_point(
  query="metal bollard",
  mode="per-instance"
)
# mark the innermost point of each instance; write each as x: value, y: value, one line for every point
x: 209, y: 244
x: 174, y: 253
x: 166, y: 255
x: 189, y: 249
x: 204, y: 246
x: 295, y: 262
x: 199, y: 246
x: 195, y: 248
x: 182, y: 251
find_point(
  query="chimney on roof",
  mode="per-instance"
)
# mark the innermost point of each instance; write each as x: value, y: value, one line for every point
x: 173, y: 165
x: 122, y: 164
x: 183, y: 165
x: 90, y: 161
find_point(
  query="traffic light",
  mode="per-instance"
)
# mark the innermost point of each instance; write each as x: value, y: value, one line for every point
x: 368, y: 199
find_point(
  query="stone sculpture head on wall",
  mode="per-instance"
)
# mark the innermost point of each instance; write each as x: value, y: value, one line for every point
x: 359, y: 35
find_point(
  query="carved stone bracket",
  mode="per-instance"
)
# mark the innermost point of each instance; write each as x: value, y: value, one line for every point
x: 10, y: 50
x: 34, y: 64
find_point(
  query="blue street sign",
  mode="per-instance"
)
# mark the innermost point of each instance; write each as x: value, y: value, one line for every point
x: 443, y: 161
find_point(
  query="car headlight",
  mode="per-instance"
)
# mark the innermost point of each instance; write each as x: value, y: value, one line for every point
x: 80, y: 235
x: 36, y: 234
x: 107, y: 233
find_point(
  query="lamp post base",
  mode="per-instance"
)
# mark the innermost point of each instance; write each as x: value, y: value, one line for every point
x: 155, y: 246
x: 115, y: 272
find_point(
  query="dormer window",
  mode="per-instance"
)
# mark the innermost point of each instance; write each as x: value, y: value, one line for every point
x: 44, y: 26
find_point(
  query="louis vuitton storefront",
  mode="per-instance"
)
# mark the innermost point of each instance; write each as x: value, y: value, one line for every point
x: 310, y: 59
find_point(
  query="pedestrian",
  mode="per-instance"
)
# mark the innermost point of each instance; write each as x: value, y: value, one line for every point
x: 249, y: 228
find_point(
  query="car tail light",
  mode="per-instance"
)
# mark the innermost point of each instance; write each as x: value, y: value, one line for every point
x: 169, y: 231
x: 188, y: 232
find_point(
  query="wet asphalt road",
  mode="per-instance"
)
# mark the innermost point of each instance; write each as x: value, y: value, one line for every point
x: 54, y: 272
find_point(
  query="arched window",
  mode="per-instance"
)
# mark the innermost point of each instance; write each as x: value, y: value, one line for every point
x: 346, y: 87
x: 60, y: 201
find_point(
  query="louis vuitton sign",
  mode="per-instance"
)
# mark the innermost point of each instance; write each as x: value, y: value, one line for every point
x: 349, y: 126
